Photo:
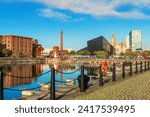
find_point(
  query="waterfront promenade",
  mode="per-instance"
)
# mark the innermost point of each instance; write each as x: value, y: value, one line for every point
x: 132, y: 88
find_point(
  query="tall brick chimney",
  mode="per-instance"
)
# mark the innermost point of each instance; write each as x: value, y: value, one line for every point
x: 61, y: 40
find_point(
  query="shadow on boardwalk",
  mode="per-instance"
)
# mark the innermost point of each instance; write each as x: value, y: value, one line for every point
x: 133, y: 88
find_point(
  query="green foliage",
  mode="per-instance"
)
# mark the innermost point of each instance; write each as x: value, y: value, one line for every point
x: 144, y: 54
x: 147, y: 52
x: 100, y: 53
x: 72, y: 52
x: 128, y: 53
x: 7, y: 69
x: 83, y: 52
x: 6, y: 52
x: 1, y: 48
x: 21, y: 55
x: 122, y: 54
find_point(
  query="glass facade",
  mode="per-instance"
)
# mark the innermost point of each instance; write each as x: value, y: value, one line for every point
x: 135, y: 37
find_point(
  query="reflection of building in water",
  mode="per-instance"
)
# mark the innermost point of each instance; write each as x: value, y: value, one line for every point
x: 22, y: 71
x: 37, y: 69
x: 61, y: 68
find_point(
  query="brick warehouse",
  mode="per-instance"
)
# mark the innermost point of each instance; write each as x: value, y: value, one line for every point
x: 19, y: 45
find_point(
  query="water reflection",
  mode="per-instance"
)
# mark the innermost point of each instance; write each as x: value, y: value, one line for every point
x: 34, y: 70
x: 62, y: 68
x: 22, y: 71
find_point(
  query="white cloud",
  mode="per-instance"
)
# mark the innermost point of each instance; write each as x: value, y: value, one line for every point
x: 100, y: 8
x: 133, y: 15
x: 49, y: 13
x: 94, y: 8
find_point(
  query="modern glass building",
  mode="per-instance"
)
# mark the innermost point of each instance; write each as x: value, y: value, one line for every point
x: 99, y: 44
x: 135, y: 40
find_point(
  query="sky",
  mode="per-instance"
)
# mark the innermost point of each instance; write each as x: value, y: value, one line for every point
x: 80, y: 20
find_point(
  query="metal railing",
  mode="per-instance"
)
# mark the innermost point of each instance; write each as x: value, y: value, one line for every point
x: 118, y: 70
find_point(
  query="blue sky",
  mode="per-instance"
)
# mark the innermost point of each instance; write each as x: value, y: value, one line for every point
x: 81, y: 20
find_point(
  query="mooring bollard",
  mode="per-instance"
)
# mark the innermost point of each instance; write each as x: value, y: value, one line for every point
x: 52, y: 91
x: 136, y: 67
x: 123, y: 70
x: 141, y: 67
x: 1, y: 85
x: 101, y: 83
x: 145, y: 66
x: 114, y: 73
x: 130, y: 74
x: 82, y: 88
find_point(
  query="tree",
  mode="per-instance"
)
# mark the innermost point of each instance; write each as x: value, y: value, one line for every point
x: 128, y: 52
x: 21, y: 55
x: 147, y: 52
x: 2, y: 46
x: 122, y: 54
x: 100, y: 53
x: 72, y: 52
x: 6, y: 52
x: 136, y: 53
x: 144, y: 54
x: 83, y: 52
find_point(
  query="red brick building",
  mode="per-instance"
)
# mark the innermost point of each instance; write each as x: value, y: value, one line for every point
x: 18, y: 45
x: 37, y: 49
x: 59, y: 52
x: 21, y: 46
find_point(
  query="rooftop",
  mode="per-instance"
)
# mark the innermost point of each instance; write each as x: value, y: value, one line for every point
x: 15, y: 36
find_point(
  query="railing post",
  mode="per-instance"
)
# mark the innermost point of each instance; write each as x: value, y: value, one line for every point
x: 1, y: 85
x: 114, y: 73
x: 130, y: 74
x: 52, y: 91
x: 136, y: 67
x: 101, y: 83
x: 141, y: 67
x: 123, y: 70
x: 145, y: 66
x: 82, y: 88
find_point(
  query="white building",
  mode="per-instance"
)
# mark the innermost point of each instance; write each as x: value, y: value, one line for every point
x: 119, y: 47
x: 135, y: 38
x: 127, y: 42
x: 46, y: 52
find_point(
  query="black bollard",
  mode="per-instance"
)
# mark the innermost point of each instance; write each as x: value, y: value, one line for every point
x: 123, y: 70
x: 82, y: 88
x: 52, y: 91
x: 145, y: 66
x: 101, y: 83
x: 136, y: 67
x: 1, y: 85
x: 130, y: 74
x: 141, y: 67
x: 114, y: 73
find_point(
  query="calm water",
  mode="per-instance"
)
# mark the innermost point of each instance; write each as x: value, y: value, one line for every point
x: 33, y: 70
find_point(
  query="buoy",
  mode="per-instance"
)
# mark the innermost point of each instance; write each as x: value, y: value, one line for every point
x: 104, y: 68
